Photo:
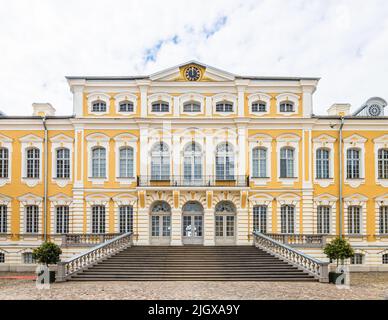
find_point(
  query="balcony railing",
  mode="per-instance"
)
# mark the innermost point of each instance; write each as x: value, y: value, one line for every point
x: 86, y: 240
x: 300, y: 240
x: 192, y: 181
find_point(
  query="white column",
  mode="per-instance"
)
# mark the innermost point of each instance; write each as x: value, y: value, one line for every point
x: 176, y: 106
x: 176, y: 227
x: 176, y: 147
x: 208, y: 106
x: 242, y: 150
x: 143, y: 149
x: 143, y: 100
x: 78, y: 100
x: 209, y: 155
x: 209, y: 228
x: 241, y: 100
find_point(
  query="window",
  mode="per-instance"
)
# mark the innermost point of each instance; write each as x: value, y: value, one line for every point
x: 260, y: 219
x: 161, y: 220
x: 259, y: 106
x: 192, y: 162
x: 126, y: 106
x: 4, y: 163
x: 385, y: 258
x: 33, y: 159
x: 224, y: 106
x: 32, y: 219
x: 323, y: 220
x: 2, y: 257
x: 98, y: 219
x: 287, y: 217
x: 160, y: 162
x: 383, y: 220
x: 63, y: 163
x: 259, y: 163
x: 126, y: 162
x: 287, y: 106
x: 322, y: 164
x: 286, y: 162
x: 354, y: 220
x: 353, y: 164
x: 358, y: 258
x: 191, y: 107
x: 126, y: 219
x: 224, y: 162
x: 62, y: 219
x: 383, y: 163
x: 3, y: 219
x: 99, y: 162
x: 28, y: 258
x: 99, y: 106
x: 160, y: 106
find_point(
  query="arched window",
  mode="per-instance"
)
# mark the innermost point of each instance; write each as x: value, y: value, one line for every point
x: 33, y: 163
x: 260, y: 219
x: 192, y: 106
x: 259, y: 163
x: 126, y: 219
x: 160, y: 222
x: 225, y: 215
x: 2, y: 257
x: 4, y: 162
x: 225, y: 162
x: 192, y: 162
x: 259, y: 106
x: 160, y: 162
x: 323, y: 219
x: 287, y: 106
x: 98, y: 219
x: 385, y: 258
x: 354, y: 220
x: 383, y: 163
x: 353, y: 164
x: 160, y: 106
x: 99, y: 106
x: 126, y: 106
x: 383, y: 220
x: 358, y: 258
x: 62, y: 219
x: 287, y: 219
x: 3, y: 219
x: 126, y: 162
x: 287, y: 162
x: 63, y: 163
x: 99, y: 162
x: 224, y: 106
x: 323, y: 163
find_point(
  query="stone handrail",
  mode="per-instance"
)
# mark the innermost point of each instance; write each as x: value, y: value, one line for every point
x: 314, y: 267
x: 92, y: 256
x: 299, y: 240
x: 86, y: 240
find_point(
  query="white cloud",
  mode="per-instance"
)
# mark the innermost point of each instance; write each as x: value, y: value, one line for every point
x: 41, y: 41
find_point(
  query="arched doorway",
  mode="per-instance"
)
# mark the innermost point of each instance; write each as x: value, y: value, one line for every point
x: 225, y: 223
x: 192, y: 226
x: 160, y: 224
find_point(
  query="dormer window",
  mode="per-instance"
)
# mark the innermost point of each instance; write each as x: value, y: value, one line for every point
x: 160, y: 106
x: 191, y: 107
x: 259, y: 106
x: 126, y: 106
x: 224, y: 106
x: 99, y: 106
x: 287, y: 106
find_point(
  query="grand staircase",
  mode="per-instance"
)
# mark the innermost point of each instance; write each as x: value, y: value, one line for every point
x: 192, y: 263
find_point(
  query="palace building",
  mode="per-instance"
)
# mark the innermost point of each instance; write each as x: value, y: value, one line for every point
x: 193, y: 155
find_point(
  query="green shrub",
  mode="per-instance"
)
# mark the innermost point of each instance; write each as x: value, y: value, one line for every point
x: 338, y: 249
x: 47, y: 253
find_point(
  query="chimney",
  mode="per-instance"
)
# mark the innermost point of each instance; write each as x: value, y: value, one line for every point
x: 43, y: 109
x: 339, y: 109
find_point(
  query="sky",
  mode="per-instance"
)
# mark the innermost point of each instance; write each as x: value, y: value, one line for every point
x: 344, y: 42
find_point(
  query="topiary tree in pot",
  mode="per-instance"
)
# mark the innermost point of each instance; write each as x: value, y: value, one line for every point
x: 339, y: 250
x: 48, y: 253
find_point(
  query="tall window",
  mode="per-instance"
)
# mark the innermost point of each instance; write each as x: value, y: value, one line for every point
x: 3, y: 219
x: 63, y: 163
x: 383, y: 220
x: 224, y: 162
x: 260, y: 219
x: 323, y: 220
x: 259, y: 163
x: 383, y: 163
x: 160, y: 106
x: 224, y: 106
x: 99, y: 106
x: 287, y: 162
x: 354, y: 220
x: 2, y: 257
x: 323, y: 164
x: 28, y: 258
x: 32, y: 219
x: 4, y: 161
x: 98, y: 219
x: 287, y: 106
x: 99, y: 162
x: 33, y: 160
x: 192, y: 106
x: 358, y: 258
x: 126, y: 219
x: 126, y: 106
x: 287, y: 217
x: 353, y: 164
x: 160, y: 162
x: 192, y: 162
x: 259, y: 106
x: 126, y: 162
x: 161, y: 220
x: 62, y: 219
x: 385, y: 258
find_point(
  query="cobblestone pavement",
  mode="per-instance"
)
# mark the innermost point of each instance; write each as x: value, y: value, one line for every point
x: 363, y: 286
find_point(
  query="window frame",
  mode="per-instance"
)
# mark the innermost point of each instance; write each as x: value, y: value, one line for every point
x: 4, y: 163
x: 228, y: 162
x: 36, y: 163
x: 288, y: 226
x: 101, y: 163
x: 66, y: 170
x: 34, y: 220
x: 98, y: 226
x: 324, y: 219
x: 382, y: 164
x: 160, y: 160
x: 4, y: 220
x: 286, y: 159
x: 260, y: 160
x: 352, y: 227
x: 260, y: 218
x: 353, y: 164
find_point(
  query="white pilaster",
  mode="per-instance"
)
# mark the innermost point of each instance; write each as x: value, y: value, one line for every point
x: 143, y: 227
x: 208, y: 228
x: 143, y: 100
x: 308, y: 87
x: 176, y: 106
x: 241, y: 100
x: 176, y: 147
x: 143, y: 149
x: 242, y: 142
x: 242, y: 227
x: 176, y: 227
x: 208, y: 106
x: 78, y: 100
x: 209, y: 155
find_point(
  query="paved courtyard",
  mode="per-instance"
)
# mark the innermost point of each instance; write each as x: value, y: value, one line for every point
x: 363, y: 286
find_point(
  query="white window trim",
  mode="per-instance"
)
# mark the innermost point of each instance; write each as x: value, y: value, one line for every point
x: 292, y: 141
x: 27, y: 200
x: 184, y: 143
x: 126, y: 96
x: 196, y: 97
x: 97, y: 140
x: 356, y: 200
x: 6, y: 142
x: 94, y: 96
x: 262, y: 199
x: 57, y: 142
x: 259, y: 97
x: 224, y: 97
x: 157, y: 138
x: 294, y: 98
x: 126, y: 199
x: 330, y: 201
x: 96, y: 200
x: 235, y: 156
x: 358, y: 142
x: 160, y: 97
x: 31, y: 141
x: 125, y: 140
x: 380, y: 201
x: 380, y: 143
x: 7, y: 201
x: 60, y: 200
x: 326, y: 142
x: 261, y: 141
x: 288, y: 199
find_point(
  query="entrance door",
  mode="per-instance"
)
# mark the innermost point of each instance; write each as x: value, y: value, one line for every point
x: 225, y: 223
x: 192, y: 226
x: 160, y: 224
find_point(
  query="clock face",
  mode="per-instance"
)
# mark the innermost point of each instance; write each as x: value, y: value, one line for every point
x: 192, y: 73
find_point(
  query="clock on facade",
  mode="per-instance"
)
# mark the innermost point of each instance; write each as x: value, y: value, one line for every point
x: 193, y: 73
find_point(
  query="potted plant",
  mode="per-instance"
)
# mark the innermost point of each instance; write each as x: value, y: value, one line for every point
x: 48, y: 254
x: 339, y: 250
